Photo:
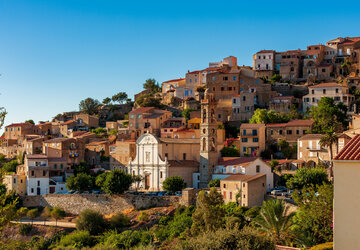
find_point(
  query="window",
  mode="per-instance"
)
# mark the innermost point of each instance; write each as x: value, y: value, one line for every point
x: 241, y: 81
x: 323, y: 70
x: 271, y: 132
x: 224, y: 194
x: 255, y: 139
x: 225, y: 78
x: 222, y: 88
x: 280, y: 132
x: 244, y: 149
x: 243, y: 185
x: 313, y: 99
x: 312, y: 91
x: 55, y: 166
x: 161, y: 175
x: 337, y: 90
x: 244, y: 196
x: 234, y: 100
x: 254, y: 132
x: 224, y: 186
x: 44, y: 173
x: 32, y: 173
x: 230, y: 195
x: 257, y: 168
x: 139, y: 116
x: 32, y: 190
x: 229, y: 88
x: 234, y: 78
x: 14, y: 180
x: 244, y: 139
x: 292, y: 69
x: 244, y: 98
x: 244, y: 131
x: 297, y: 131
x: 184, y: 156
x: 131, y: 116
x: 324, y: 91
x: 190, y: 80
x: 38, y: 183
x: 213, y: 78
x: 289, y: 132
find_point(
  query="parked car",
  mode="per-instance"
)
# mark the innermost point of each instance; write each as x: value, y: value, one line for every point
x: 281, y: 188
x: 277, y: 192
x: 162, y: 193
x: 288, y: 194
x: 178, y: 193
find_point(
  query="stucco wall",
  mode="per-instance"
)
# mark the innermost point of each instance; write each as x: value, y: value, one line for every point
x: 75, y: 203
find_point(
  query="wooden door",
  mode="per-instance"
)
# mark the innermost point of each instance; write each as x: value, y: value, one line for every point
x: 147, y: 182
x: 52, y: 190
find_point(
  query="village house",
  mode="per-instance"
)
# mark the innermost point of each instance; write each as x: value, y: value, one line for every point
x: 228, y: 166
x: 96, y: 154
x: 247, y: 190
x: 333, y: 90
x: 44, y: 174
x: 312, y: 58
x: 16, y: 181
x: 264, y: 63
x: 121, y: 153
x: 173, y: 89
x: 284, y: 104
x: 149, y: 119
x: 290, y: 67
x: 243, y: 106
x: 310, y: 150
x: 346, y: 199
x: 290, y: 131
x: 252, y: 139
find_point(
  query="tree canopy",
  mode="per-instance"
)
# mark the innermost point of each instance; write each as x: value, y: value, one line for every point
x: 30, y: 121
x: 305, y: 177
x: 120, y: 97
x: 81, y: 182
x: 116, y: 182
x: 230, y: 152
x: 328, y: 116
x: 2, y: 116
x: 268, y: 116
x: 174, y: 183
x: 89, y: 106
x: 150, y: 84
x: 186, y: 113
x: 106, y: 101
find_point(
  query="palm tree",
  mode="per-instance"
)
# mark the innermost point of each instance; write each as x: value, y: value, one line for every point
x: 275, y: 220
x: 328, y: 141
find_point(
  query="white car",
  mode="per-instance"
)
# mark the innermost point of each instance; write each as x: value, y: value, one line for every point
x: 277, y: 192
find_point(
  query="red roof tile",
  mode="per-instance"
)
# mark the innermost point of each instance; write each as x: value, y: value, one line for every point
x: 351, y: 151
x: 295, y: 123
x: 141, y: 110
x: 19, y: 125
x: 175, y: 80
x: 236, y: 161
x: 266, y: 51
x: 276, y: 125
x: 325, y: 85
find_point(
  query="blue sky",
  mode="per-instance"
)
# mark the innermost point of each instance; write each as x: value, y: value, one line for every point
x: 55, y: 53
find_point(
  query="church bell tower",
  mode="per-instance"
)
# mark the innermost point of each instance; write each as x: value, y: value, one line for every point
x: 208, y: 139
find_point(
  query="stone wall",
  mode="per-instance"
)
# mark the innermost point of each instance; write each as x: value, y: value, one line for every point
x: 75, y: 203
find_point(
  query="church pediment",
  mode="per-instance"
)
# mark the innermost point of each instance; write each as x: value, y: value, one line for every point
x: 147, y: 139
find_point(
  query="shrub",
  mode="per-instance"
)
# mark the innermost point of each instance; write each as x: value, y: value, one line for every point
x: 57, y: 213
x: 91, y: 221
x: 119, y: 221
x: 174, y: 183
x: 324, y: 246
x: 77, y: 239
x: 25, y: 229
x: 116, y: 182
x: 214, y: 182
x: 33, y: 213
x: 125, y: 240
x: 143, y: 216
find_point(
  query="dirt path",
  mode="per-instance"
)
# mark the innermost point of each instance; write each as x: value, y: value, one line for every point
x: 47, y: 223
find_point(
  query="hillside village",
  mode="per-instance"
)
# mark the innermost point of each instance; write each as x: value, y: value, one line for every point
x: 244, y: 130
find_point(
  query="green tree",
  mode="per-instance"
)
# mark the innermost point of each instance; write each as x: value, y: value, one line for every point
x: 89, y: 106
x: 58, y: 214
x: 30, y: 121
x: 100, y: 179
x: 99, y: 131
x: 305, y: 177
x: 83, y: 167
x: 174, y: 183
x: 81, y: 182
x: 328, y: 141
x: 214, y: 183
x: 117, y: 182
x: 3, y: 114
x: 10, y: 166
x: 46, y: 213
x: 314, y: 218
x: 328, y: 117
x: 91, y: 221
x: 230, y: 152
x: 137, y: 179
x: 268, y: 116
x: 275, y: 221
x: 148, y: 100
x: 77, y: 239
x: 120, y: 97
x: 150, y: 84
x: 274, y: 164
x: 186, y: 113
x: 276, y: 78
x: 106, y: 101
x: 32, y: 214
x: 346, y: 68
x: 209, y: 213
x: 8, y: 210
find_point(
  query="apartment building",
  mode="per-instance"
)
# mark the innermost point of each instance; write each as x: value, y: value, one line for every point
x: 290, y: 67
x: 312, y: 57
x: 96, y: 153
x: 247, y: 190
x: 290, y: 131
x: 333, y: 90
x: 252, y: 139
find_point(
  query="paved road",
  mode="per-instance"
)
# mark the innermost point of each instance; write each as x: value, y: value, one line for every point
x: 47, y: 223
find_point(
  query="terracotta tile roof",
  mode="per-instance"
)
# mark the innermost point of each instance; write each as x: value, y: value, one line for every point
x: 94, y: 143
x: 295, y: 123
x: 141, y: 110
x: 292, y: 51
x: 276, y: 125
x: 325, y: 85
x: 236, y: 161
x: 212, y: 69
x: 243, y: 177
x: 55, y: 140
x: 175, y: 80
x: 251, y: 125
x: 351, y: 151
x: 312, y: 137
x: 18, y: 125
x: 184, y: 163
x: 67, y: 123
x: 194, y: 72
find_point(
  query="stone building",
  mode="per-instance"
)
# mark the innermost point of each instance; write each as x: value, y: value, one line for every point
x: 283, y: 104
x: 290, y: 67
x: 243, y: 106
x: 264, y: 63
